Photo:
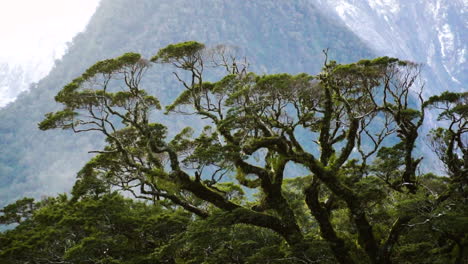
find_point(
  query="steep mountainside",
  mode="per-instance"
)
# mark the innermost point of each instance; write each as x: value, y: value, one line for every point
x: 277, y: 36
x: 432, y: 32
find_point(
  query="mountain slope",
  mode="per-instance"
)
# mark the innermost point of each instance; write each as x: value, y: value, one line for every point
x: 432, y: 32
x: 286, y: 36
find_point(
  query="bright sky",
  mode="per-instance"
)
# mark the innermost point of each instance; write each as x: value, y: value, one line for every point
x: 28, y: 27
x: 33, y: 34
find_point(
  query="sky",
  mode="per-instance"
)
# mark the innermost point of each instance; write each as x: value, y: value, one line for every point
x: 33, y: 34
x: 29, y: 26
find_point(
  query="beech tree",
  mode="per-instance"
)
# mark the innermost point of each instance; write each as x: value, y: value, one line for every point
x: 352, y: 128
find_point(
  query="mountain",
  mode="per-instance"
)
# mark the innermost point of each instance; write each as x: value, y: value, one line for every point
x: 431, y: 32
x: 276, y: 36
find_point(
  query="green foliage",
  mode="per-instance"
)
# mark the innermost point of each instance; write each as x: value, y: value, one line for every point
x: 174, y: 52
x: 184, y: 98
x: 451, y: 104
x: 61, y: 119
x: 109, y: 66
x: 109, y: 229
x: 17, y: 212
x: 446, y: 96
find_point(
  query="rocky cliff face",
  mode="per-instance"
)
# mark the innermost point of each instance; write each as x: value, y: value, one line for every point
x: 432, y: 32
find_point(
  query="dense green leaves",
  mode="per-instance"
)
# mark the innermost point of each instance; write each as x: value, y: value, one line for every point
x: 17, y: 212
x: 109, y: 229
x: 177, y: 51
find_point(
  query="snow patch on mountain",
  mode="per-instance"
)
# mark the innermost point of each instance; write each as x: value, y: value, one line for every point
x: 446, y: 39
x: 432, y: 32
x: 385, y: 6
x: 462, y: 56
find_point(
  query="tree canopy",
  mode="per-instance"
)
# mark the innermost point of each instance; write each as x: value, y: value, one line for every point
x: 351, y: 129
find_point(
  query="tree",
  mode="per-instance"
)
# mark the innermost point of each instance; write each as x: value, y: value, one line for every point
x: 103, y: 229
x: 17, y: 212
x: 451, y: 145
x: 352, y: 127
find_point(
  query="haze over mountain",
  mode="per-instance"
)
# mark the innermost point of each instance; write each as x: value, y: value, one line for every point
x: 17, y: 77
x: 277, y: 36
x: 34, y: 35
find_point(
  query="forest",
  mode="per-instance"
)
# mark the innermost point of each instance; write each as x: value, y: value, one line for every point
x: 275, y: 168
